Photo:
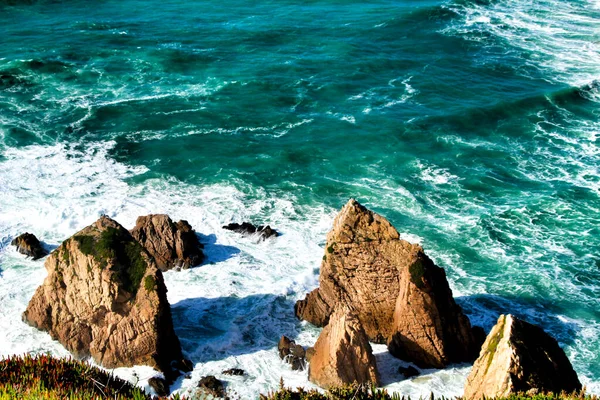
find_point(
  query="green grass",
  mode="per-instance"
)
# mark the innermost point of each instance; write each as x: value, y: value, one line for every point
x: 149, y: 283
x: 366, y: 392
x: 45, y: 377
x: 117, y: 247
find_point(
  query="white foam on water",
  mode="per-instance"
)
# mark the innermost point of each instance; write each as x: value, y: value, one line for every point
x: 386, y: 96
x: 560, y: 36
x: 251, y: 285
x: 230, y: 311
x: 433, y: 174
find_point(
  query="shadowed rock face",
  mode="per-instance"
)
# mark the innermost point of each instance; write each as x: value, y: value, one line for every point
x: 292, y: 353
x: 173, y: 245
x: 105, y: 297
x: 342, y: 354
x: 29, y: 245
x: 520, y: 357
x: 430, y: 329
x: 364, y: 256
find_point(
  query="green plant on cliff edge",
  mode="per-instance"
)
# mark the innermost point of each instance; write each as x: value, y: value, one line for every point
x: 45, y: 377
x: 149, y: 283
x: 367, y: 392
x: 116, y: 246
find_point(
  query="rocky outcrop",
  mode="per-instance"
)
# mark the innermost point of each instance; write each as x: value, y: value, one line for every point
x: 212, y: 386
x: 292, y: 353
x: 364, y: 256
x: 29, y: 245
x: 234, y: 372
x: 519, y: 357
x: 342, y: 354
x: 104, y: 297
x: 159, y: 385
x: 173, y: 245
x: 246, y: 228
x: 399, y: 295
x: 429, y: 328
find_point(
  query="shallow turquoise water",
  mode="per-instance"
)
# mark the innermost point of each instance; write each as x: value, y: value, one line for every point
x: 472, y: 125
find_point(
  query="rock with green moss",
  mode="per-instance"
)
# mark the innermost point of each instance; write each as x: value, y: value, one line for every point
x: 518, y: 357
x: 105, y: 297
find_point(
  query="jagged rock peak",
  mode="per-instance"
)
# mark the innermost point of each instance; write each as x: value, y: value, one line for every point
x: 520, y: 357
x: 173, y: 245
x: 342, y: 354
x: 104, y: 297
x: 364, y: 257
x: 29, y: 245
x: 429, y: 328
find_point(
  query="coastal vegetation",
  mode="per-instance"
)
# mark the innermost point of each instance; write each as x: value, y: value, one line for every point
x: 114, y: 245
x: 46, y: 377
x: 369, y: 392
x: 34, y: 377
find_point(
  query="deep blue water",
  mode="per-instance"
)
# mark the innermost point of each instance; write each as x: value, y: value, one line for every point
x: 473, y: 126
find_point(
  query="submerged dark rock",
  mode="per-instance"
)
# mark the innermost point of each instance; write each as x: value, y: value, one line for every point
x: 234, y: 372
x: 408, y: 372
x: 212, y: 386
x: 246, y: 228
x: 29, y: 245
x: 292, y: 353
x: 185, y: 365
x: 160, y: 385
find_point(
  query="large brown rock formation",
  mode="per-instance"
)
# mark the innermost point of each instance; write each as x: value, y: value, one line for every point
x: 171, y: 244
x: 519, y: 357
x: 342, y: 354
x: 104, y: 297
x: 430, y: 329
x: 398, y: 294
x: 361, y: 268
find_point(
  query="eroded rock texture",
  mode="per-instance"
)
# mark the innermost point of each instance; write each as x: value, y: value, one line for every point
x: 429, y: 328
x: 520, y: 357
x: 173, y: 245
x: 342, y: 353
x: 361, y: 268
x: 105, y: 297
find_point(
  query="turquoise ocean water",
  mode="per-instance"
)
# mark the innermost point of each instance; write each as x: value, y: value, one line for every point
x: 473, y: 125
